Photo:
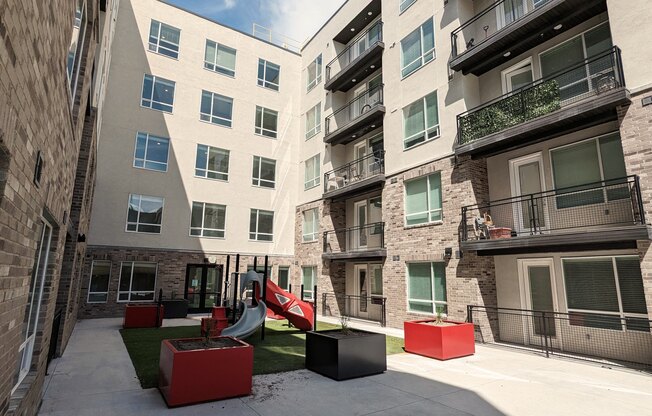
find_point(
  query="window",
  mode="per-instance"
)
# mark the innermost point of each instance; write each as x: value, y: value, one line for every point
x: 405, y: 4
x: 420, y: 121
x: 313, y: 172
x: 376, y: 273
x: 164, y: 39
x: 216, y: 109
x: 261, y: 225
x: 212, y: 163
x: 577, y: 166
x: 607, y: 292
x: 151, y: 152
x: 266, y: 122
x: 137, y: 282
x: 158, y: 93
x: 264, y: 173
x: 98, y: 288
x: 313, y: 121
x: 314, y: 73
x: 284, y: 277
x: 308, y: 282
x: 34, y: 300
x: 76, y: 46
x: 310, y: 225
x: 423, y: 200
x: 145, y: 214
x: 427, y: 287
x: 418, y: 48
x: 219, y: 58
x: 207, y: 220
x: 269, y: 74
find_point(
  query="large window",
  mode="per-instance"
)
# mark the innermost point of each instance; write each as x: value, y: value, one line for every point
x: 310, y: 225
x: 418, y: 48
x: 261, y: 225
x: 427, y: 287
x: 606, y: 292
x: 145, y: 214
x: 423, y: 200
x: 158, y: 93
x: 164, y: 39
x: 313, y: 172
x: 269, y: 74
x: 314, y: 73
x: 421, y: 121
x: 264, y: 173
x: 212, y: 163
x: 313, y: 121
x: 308, y: 275
x: 405, y: 4
x: 376, y: 274
x: 284, y: 277
x: 577, y: 166
x: 151, y: 152
x: 207, y: 220
x: 98, y: 287
x: 76, y: 47
x: 216, y: 109
x: 266, y: 122
x: 137, y: 282
x: 219, y: 58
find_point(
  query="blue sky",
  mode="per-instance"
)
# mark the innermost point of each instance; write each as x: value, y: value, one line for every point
x: 297, y: 19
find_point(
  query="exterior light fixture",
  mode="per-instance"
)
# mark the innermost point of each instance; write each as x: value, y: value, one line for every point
x: 506, y: 54
x: 559, y: 26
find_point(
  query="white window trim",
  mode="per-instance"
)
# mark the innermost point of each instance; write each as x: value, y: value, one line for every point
x: 260, y: 169
x: 432, y: 302
x: 316, y: 180
x: 260, y: 130
x: 319, y: 68
x: 312, y: 236
x: 82, y: 39
x: 581, y: 34
x: 151, y: 99
x: 158, y: 40
x: 402, y: 2
x: 209, y: 148
x: 308, y: 292
x: 145, y: 160
x: 90, y: 281
x: 137, y: 223
x: 131, y: 282
x: 317, y: 129
x: 211, y: 116
x: 262, y: 82
x: 278, y: 279
x: 429, y: 211
x: 427, y: 131
x: 203, y: 217
x: 255, y: 232
x: 423, y: 53
x: 215, y: 64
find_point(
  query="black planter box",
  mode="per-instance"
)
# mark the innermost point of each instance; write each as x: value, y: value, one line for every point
x: 177, y: 308
x: 341, y: 358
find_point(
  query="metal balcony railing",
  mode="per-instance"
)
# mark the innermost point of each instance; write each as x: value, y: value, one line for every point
x: 354, y: 109
x: 368, y: 308
x: 355, y: 239
x: 598, y: 205
x: 591, y: 77
x: 356, y: 171
x: 357, y: 47
x: 481, y: 27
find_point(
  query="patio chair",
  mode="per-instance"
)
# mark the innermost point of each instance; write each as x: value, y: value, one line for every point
x: 482, y: 225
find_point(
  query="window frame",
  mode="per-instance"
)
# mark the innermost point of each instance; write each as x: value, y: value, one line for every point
x: 317, y: 116
x: 131, y: 282
x: 211, y: 116
x: 157, y: 45
x: 263, y: 82
x: 72, y: 74
x: 423, y: 53
x: 90, y: 283
x: 429, y: 211
x: 209, y: 148
x: 261, y: 130
x: 145, y: 160
x: 219, y: 69
x: 402, y: 10
x: 308, y: 294
x: 427, y: 130
x: 138, y: 223
x: 259, y: 179
x: 318, y: 63
x: 203, y: 222
x: 312, y: 236
x: 433, y: 300
x: 278, y: 279
x: 256, y: 233
x: 155, y: 78
x: 316, y: 180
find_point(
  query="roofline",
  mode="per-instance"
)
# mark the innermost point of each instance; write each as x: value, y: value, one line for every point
x: 305, y: 44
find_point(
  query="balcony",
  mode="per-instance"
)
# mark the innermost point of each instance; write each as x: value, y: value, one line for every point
x: 362, y: 57
x: 355, y: 119
x: 581, y: 96
x: 360, y: 175
x: 367, y: 308
x: 602, y: 215
x: 365, y: 242
x: 508, y: 28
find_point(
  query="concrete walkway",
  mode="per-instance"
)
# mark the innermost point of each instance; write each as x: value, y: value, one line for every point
x: 95, y: 377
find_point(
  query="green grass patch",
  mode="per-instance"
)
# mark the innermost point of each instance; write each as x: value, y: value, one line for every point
x: 282, y: 350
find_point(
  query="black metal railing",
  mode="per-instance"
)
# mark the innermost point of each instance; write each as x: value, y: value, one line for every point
x: 356, y: 171
x: 490, y: 21
x: 604, y: 204
x: 357, y: 47
x: 591, y: 77
x: 354, y: 109
x: 607, y: 338
x: 369, y: 308
x: 355, y: 239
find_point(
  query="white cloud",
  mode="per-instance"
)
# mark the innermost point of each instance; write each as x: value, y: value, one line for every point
x: 299, y: 19
x: 215, y: 6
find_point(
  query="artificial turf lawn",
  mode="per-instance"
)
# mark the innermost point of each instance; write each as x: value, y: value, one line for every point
x: 282, y: 350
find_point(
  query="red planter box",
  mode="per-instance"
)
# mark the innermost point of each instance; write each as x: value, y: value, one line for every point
x: 218, y: 325
x: 188, y: 377
x: 142, y: 316
x: 440, y: 342
x: 218, y: 312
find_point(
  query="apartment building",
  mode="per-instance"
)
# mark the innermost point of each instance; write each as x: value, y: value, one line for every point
x: 415, y: 157
x: 53, y: 63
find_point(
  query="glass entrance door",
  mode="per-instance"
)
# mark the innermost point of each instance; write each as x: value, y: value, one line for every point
x: 537, y: 277
x: 527, y: 184
x: 203, y: 287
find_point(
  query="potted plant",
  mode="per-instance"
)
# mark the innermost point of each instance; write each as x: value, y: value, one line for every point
x: 147, y: 315
x: 439, y: 338
x: 345, y: 353
x: 196, y: 370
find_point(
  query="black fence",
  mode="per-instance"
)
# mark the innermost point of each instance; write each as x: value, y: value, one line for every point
x: 593, y: 76
x: 357, y: 47
x: 356, y: 171
x: 355, y: 239
x: 612, y: 203
x: 369, y: 308
x: 360, y: 105
x: 609, y: 339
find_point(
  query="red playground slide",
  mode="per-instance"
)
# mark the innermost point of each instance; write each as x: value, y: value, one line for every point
x: 299, y: 313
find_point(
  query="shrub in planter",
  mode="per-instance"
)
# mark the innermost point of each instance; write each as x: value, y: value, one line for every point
x: 143, y: 316
x: 440, y: 339
x: 196, y: 370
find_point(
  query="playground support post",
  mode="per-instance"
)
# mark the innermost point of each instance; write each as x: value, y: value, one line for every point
x: 235, y: 288
x: 226, y: 280
x: 264, y: 295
